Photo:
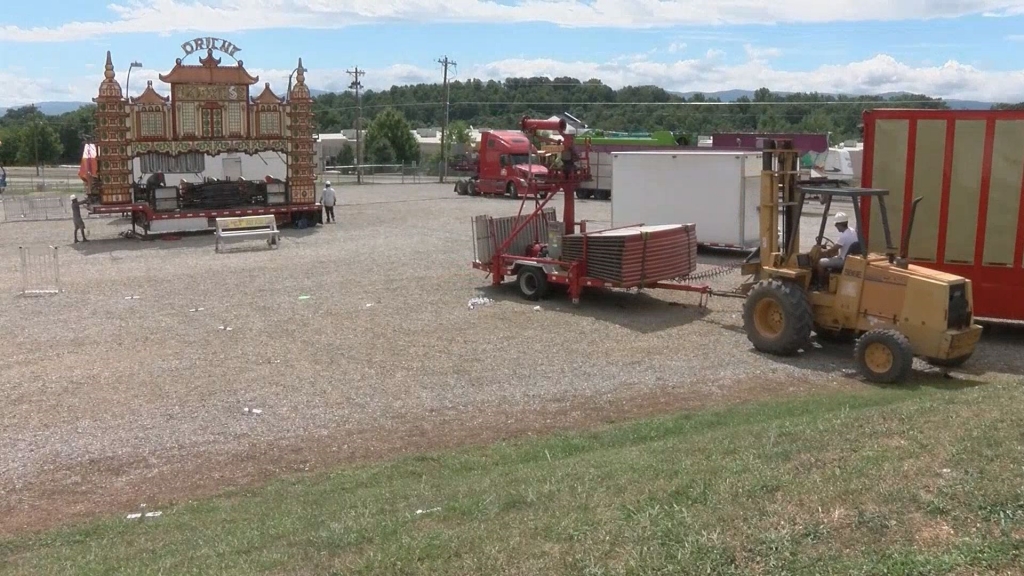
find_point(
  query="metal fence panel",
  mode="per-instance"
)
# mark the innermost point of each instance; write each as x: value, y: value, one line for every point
x: 29, y: 208
x: 40, y: 270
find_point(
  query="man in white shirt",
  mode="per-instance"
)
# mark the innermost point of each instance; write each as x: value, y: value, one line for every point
x: 329, y: 200
x: 835, y: 256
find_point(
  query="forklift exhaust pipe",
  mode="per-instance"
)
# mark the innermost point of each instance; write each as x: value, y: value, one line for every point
x: 905, y: 241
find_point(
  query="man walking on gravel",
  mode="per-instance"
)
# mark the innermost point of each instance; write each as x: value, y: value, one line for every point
x: 329, y: 200
x: 76, y: 213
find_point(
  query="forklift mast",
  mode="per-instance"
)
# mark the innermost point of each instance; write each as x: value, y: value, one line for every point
x: 781, y: 203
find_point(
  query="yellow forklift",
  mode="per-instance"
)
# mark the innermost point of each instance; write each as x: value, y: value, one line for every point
x: 893, y: 310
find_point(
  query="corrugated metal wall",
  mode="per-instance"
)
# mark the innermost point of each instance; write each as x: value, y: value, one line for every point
x: 964, y: 182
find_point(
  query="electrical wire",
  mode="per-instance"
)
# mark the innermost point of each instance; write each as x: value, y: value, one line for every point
x: 874, y: 103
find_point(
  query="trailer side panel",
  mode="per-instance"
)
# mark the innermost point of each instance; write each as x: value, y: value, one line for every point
x: 968, y: 168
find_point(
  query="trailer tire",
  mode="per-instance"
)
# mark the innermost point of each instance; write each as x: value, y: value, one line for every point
x: 511, y: 191
x: 777, y: 317
x: 602, y: 194
x: 532, y: 282
x: 884, y: 356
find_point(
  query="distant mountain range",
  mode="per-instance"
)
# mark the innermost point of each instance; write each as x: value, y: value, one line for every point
x: 733, y: 95
x: 58, y: 108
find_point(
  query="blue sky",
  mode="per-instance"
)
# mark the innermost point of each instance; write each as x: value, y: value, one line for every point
x: 965, y: 49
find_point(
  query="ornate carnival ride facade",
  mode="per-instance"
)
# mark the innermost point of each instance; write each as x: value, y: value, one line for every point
x: 209, y: 115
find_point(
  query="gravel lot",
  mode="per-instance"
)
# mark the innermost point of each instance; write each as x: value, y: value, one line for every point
x: 112, y: 400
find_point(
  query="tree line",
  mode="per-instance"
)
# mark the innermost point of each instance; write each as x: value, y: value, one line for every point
x: 29, y: 137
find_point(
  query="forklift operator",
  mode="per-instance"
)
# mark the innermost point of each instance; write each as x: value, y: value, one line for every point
x: 835, y: 256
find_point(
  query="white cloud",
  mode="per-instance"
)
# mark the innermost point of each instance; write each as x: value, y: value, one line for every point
x: 219, y: 16
x: 759, y: 53
x: 1015, y: 38
x: 876, y: 75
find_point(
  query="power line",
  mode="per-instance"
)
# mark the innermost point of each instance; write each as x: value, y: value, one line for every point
x: 876, y: 103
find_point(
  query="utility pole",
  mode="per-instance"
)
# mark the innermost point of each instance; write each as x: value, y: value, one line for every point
x: 445, y: 62
x: 355, y: 85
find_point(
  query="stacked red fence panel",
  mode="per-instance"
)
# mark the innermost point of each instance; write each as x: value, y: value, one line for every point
x: 636, y: 255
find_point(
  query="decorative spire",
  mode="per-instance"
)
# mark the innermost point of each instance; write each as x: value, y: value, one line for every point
x: 108, y: 69
x: 300, y: 76
x: 209, y: 61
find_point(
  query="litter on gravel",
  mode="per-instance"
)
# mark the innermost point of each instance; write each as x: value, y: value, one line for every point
x: 479, y: 301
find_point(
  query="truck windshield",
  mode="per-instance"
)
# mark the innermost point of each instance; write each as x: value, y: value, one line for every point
x: 524, y: 159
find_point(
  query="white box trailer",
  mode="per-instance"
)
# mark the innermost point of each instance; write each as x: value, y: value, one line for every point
x: 718, y: 190
x: 600, y: 184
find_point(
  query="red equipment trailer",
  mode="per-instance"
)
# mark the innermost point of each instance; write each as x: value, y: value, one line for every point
x: 507, y: 164
x: 967, y: 169
x: 534, y: 270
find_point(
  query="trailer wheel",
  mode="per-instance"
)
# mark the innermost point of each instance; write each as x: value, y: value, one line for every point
x: 884, y: 356
x: 581, y: 193
x: 777, y: 317
x: 462, y: 187
x: 533, y: 282
x: 602, y: 194
x: 511, y: 191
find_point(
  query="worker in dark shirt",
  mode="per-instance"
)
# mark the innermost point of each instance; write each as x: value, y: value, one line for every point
x: 568, y: 160
x: 76, y: 214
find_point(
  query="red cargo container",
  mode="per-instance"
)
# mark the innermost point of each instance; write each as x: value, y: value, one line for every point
x: 968, y: 166
x: 804, y: 142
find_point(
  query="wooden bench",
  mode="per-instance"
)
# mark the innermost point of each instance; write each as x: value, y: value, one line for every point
x: 248, y: 226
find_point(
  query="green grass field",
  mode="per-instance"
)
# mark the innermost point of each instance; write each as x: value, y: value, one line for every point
x: 928, y: 480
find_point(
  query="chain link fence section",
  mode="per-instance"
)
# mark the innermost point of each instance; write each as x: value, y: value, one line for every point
x: 40, y: 270
x: 382, y: 174
x: 36, y: 208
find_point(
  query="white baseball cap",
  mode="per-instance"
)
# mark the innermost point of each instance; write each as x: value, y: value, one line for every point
x: 841, y: 217
x: 73, y: 196
x: 328, y: 183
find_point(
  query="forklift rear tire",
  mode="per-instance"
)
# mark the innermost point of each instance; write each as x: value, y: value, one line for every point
x: 777, y: 317
x: 533, y: 282
x: 950, y: 362
x: 884, y: 356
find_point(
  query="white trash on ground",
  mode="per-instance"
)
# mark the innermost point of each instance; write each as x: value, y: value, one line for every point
x: 479, y: 301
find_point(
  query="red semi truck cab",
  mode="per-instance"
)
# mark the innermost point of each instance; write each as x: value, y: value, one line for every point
x: 508, y: 164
